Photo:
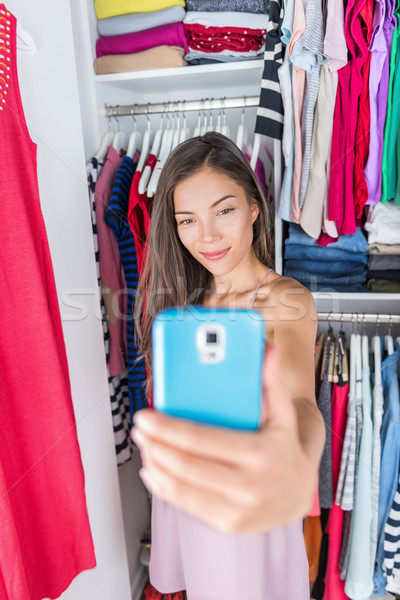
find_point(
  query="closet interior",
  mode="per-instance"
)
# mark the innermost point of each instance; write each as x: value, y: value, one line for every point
x: 122, y: 106
x: 119, y: 109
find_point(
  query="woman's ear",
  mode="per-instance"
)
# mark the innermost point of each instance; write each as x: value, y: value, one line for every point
x: 255, y: 211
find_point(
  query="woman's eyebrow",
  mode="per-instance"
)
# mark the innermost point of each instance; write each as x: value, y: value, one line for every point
x: 187, y: 212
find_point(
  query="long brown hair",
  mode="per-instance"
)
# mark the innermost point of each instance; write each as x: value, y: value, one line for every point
x: 171, y: 276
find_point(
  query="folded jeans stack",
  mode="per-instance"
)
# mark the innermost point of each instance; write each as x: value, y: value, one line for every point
x: 227, y: 31
x: 340, y: 267
x: 383, y: 227
x: 137, y: 35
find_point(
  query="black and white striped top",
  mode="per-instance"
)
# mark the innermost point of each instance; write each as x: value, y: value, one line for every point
x: 270, y: 111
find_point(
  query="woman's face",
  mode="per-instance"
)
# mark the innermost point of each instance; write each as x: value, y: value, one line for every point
x: 214, y: 220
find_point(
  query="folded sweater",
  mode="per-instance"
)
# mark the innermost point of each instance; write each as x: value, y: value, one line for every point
x: 140, y: 21
x: 173, y: 34
x: 113, y: 8
x: 159, y: 57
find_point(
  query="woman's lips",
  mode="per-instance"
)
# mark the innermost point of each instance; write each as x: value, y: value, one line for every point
x: 215, y: 255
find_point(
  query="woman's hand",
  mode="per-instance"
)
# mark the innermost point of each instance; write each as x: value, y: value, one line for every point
x: 234, y: 481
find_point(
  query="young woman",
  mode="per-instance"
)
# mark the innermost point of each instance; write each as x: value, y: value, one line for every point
x: 227, y: 505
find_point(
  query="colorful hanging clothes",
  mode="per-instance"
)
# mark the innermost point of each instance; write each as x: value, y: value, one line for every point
x: 139, y: 214
x: 117, y: 385
x: 350, y: 84
x: 117, y: 218
x: 390, y: 167
x: 45, y: 533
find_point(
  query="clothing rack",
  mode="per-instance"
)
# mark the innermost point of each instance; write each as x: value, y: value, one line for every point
x: 205, y: 104
x: 359, y: 318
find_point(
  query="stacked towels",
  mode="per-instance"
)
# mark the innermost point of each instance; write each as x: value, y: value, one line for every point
x: 383, y: 227
x: 341, y: 266
x: 136, y: 35
x: 236, y: 32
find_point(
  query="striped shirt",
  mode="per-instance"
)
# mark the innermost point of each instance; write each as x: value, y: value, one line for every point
x: 118, y: 385
x: 346, y: 483
x: 392, y: 546
x: 117, y: 219
x: 270, y: 111
x: 313, y: 44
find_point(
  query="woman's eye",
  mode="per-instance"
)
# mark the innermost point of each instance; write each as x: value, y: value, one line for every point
x: 185, y: 221
x: 225, y: 211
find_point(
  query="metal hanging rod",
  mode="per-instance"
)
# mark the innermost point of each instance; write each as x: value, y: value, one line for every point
x: 205, y: 104
x: 356, y: 317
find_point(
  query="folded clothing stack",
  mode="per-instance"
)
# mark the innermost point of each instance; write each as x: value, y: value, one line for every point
x: 383, y: 227
x: 139, y: 34
x: 236, y: 32
x: 341, y: 267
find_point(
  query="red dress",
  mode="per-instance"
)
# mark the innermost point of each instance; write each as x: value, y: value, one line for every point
x: 45, y: 534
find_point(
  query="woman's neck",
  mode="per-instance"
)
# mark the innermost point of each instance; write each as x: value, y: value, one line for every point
x: 242, y: 280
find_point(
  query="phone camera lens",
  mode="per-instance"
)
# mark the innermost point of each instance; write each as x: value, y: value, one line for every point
x: 211, y: 338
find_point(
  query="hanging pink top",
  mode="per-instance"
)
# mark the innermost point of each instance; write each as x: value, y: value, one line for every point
x: 173, y: 34
x: 45, y: 533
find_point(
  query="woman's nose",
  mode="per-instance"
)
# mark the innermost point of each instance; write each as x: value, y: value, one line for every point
x: 209, y: 232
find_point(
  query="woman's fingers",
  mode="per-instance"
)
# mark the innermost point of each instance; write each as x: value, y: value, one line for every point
x: 225, y: 445
x: 232, y: 482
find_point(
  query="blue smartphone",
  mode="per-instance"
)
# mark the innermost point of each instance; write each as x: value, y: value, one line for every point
x: 207, y: 365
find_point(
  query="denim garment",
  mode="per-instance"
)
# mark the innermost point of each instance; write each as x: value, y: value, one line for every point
x: 390, y: 456
x: 354, y: 242
x: 305, y: 276
x: 330, y: 267
x: 299, y: 251
x: 350, y: 288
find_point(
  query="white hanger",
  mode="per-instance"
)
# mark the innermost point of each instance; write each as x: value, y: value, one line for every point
x: 146, y: 144
x: 224, y: 129
x: 376, y: 350
x: 160, y: 163
x: 144, y: 180
x: 211, y: 126
x: 242, y: 133
x: 104, y: 146
x: 185, y: 131
x: 197, y: 129
x: 365, y: 351
x: 352, y: 385
x: 177, y: 130
x: 218, y: 126
x: 135, y: 138
x: 120, y: 139
x: 388, y: 340
x: 25, y: 41
x: 166, y: 145
x: 256, y: 150
x: 205, y: 120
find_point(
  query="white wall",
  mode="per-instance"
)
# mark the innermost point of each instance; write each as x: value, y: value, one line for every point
x: 50, y: 97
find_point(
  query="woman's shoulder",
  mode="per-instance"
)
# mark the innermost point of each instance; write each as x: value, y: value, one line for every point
x: 282, y: 296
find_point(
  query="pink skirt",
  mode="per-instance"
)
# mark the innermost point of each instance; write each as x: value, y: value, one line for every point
x: 187, y: 554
